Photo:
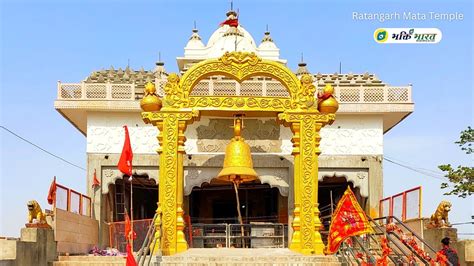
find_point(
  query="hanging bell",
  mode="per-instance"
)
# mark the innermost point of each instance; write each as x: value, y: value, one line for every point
x: 238, y: 166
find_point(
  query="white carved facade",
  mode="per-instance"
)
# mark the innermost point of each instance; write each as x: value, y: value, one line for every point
x: 349, y: 135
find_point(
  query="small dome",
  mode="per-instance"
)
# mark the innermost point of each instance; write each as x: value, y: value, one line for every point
x: 267, y: 42
x: 195, y: 41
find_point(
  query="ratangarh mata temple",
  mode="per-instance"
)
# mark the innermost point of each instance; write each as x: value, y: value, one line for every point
x: 235, y: 121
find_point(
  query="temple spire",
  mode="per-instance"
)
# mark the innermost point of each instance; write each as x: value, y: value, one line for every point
x: 195, y: 34
x: 302, y: 69
x: 267, y: 37
x: 160, y: 65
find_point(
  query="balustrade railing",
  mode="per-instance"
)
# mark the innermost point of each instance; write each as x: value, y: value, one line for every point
x: 96, y: 91
x: 222, y: 87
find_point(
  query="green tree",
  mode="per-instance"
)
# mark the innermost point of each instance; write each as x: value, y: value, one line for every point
x: 462, y: 177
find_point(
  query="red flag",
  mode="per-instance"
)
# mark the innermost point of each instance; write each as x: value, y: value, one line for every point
x: 231, y: 22
x: 125, y: 162
x: 95, y: 182
x: 52, y: 192
x: 348, y: 220
x: 128, y: 228
x: 130, y: 259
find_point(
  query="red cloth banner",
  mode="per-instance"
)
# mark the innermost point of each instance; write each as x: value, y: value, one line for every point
x: 128, y: 228
x: 52, y: 192
x: 95, y: 182
x: 130, y: 259
x: 231, y: 22
x: 125, y: 162
x: 348, y: 220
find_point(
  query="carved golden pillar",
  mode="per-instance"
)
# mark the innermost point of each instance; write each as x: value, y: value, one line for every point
x: 172, y: 124
x: 306, y: 224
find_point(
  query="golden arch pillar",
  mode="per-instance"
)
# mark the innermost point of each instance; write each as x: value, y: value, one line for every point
x: 300, y: 111
x: 171, y: 125
x: 306, y: 224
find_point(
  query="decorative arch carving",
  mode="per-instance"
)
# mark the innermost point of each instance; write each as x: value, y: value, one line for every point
x: 359, y: 178
x: 110, y: 175
x: 275, y: 177
x: 240, y: 66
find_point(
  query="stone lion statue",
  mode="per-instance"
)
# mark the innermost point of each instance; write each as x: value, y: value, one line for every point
x: 35, y: 214
x: 440, y: 217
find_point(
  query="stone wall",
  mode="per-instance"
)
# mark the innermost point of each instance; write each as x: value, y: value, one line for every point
x: 465, y: 250
x: 35, y: 247
x: 75, y: 233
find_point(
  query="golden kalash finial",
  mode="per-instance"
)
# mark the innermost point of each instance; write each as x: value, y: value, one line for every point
x: 150, y: 102
x: 326, y: 101
x: 238, y: 165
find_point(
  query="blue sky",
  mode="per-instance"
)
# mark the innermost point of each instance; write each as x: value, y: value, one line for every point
x: 46, y: 41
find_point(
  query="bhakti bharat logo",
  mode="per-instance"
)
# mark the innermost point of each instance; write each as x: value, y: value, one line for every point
x: 380, y: 35
x: 408, y: 35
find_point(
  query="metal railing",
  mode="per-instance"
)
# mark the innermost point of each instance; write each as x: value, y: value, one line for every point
x: 358, y: 250
x: 221, y: 87
x: 117, y: 234
x: 72, y: 201
x: 255, y: 235
x: 151, y: 242
x: 405, y: 205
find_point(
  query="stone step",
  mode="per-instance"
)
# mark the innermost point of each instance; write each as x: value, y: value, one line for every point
x: 90, y: 260
x: 87, y: 263
x: 256, y: 256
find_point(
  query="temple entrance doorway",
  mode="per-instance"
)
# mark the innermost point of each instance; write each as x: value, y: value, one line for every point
x: 145, y: 193
x: 215, y: 202
x: 214, y: 220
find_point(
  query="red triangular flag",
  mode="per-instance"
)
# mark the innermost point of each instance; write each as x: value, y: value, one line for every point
x: 130, y: 259
x: 348, y: 220
x: 52, y: 192
x: 125, y: 163
x: 95, y: 182
x: 128, y: 228
x: 231, y: 22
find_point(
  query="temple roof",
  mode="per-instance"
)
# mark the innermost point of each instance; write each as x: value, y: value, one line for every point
x: 138, y: 77
x: 141, y: 77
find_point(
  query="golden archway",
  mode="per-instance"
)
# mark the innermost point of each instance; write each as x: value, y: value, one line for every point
x: 299, y: 111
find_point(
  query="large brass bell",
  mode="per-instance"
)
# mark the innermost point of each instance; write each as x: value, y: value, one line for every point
x: 238, y: 166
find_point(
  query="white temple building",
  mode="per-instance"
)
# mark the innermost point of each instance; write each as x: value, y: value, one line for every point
x: 352, y: 147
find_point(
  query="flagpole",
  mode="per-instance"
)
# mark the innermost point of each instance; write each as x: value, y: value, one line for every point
x: 131, y: 209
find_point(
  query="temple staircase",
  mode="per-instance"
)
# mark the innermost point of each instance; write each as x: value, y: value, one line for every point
x: 406, y: 247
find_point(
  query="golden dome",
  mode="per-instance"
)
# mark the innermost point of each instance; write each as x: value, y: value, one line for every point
x: 150, y: 102
x: 330, y: 105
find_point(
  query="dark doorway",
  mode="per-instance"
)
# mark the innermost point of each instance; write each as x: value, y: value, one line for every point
x: 216, y: 203
x: 145, y: 197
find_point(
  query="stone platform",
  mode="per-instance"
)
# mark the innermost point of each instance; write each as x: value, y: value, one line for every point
x: 90, y: 260
x: 254, y: 256
x: 213, y: 257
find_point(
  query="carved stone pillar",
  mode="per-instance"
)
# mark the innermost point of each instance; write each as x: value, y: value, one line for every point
x: 306, y: 224
x: 171, y: 124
